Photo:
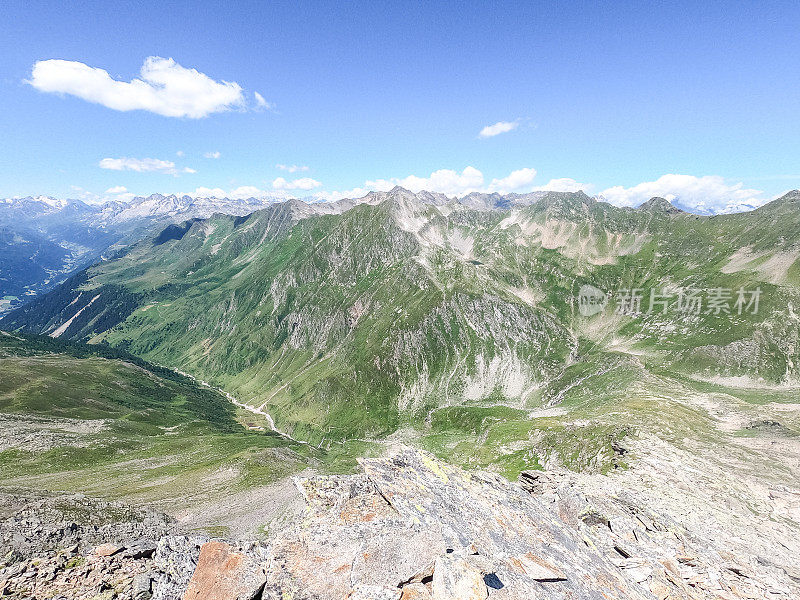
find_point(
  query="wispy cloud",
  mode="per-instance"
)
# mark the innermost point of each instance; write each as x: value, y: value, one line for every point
x: 303, y: 183
x: 498, y: 128
x: 261, y: 102
x: 163, y: 87
x: 292, y: 168
x: 212, y: 154
x: 143, y: 165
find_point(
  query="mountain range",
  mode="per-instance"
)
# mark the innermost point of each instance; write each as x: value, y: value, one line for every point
x: 450, y: 320
x: 44, y: 239
x: 635, y: 370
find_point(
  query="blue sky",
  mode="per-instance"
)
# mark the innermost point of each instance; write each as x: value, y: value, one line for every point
x: 623, y: 99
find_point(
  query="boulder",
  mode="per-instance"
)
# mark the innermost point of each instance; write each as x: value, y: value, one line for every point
x: 141, y: 548
x: 374, y: 592
x: 456, y: 579
x: 224, y: 574
x: 399, y: 555
x: 174, y: 561
x: 107, y: 550
x: 415, y: 591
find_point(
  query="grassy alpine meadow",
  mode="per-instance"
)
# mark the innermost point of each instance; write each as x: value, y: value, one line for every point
x: 98, y: 421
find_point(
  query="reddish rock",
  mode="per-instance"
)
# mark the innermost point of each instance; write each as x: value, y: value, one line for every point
x: 107, y: 550
x: 415, y: 591
x: 537, y: 568
x: 224, y: 574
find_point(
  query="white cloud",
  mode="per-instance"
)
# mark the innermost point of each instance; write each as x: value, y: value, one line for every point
x: 120, y: 193
x: 292, y: 168
x: 356, y: 192
x: 564, y: 184
x: 137, y: 164
x: 164, y: 87
x: 86, y: 196
x: 117, y: 193
x: 709, y: 194
x: 514, y: 181
x: 180, y: 153
x: 212, y: 154
x: 143, y: 165
x: 207, y: 192
x: 445, y: 181
x: 261, y: 103
x: 498, y: 128
x: 303, y: 183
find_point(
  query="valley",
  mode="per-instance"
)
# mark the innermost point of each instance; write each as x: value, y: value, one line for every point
x: 43, y: 240
x: 94, y: 421
x: 209, y: 367
x: 360, y: 319
x: 399, y: 301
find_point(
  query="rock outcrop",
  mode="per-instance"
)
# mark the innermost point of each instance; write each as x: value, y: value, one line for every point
x: 410, y: 527
x: 410, y: 519
x: 222, y: 572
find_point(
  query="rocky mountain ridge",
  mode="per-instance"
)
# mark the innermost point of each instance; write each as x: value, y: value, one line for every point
x: 85, y: 232
x: 661, y: 447
x: 428, y: 308
x: 412, y: 527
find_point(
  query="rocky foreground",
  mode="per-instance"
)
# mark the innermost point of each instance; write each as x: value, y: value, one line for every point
x: 408, y: 527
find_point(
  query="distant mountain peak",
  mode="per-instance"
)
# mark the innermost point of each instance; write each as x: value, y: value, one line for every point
x: 658, y: 204
x: 398, y: 189
x: 579, y: 196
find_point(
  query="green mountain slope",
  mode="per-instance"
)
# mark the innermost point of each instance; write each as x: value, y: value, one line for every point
x: 98, y: 421
x: 452, y: 322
